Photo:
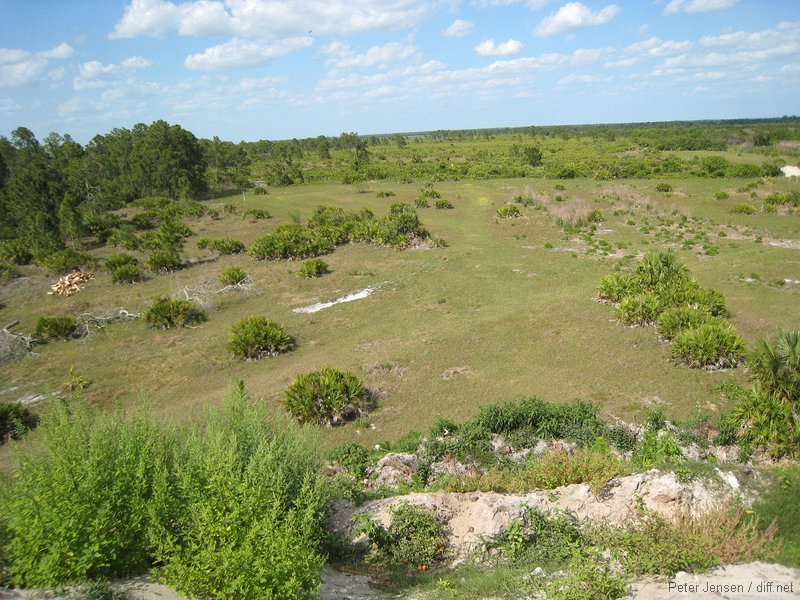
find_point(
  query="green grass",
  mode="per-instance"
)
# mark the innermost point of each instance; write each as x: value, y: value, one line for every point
x: 518, y: 318
x: 779, y: 502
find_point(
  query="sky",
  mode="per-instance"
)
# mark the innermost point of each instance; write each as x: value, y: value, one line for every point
x: 268, y: 69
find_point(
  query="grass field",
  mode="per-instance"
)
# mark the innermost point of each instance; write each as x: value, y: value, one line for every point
x: 507, y: 310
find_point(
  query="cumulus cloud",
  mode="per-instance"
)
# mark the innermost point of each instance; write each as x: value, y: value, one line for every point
x: 21, y: 67
x: 489, y: 48
x: 572, y: 16
x: 656, y: 47
x: 697, y: 6
x: 459, y: 28
x: 342, y: 57
x: 243, y: 53
x: 134, y: 63
x: 266, y: 18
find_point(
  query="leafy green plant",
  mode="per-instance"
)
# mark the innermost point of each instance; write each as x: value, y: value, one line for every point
x: 352, y: 456
x: 120, y: 260
x: 290, y: 240
x: 414, y: 539
x: 744, y: 208
x: 714, y: 344
x: 233, y: 276
x: 328, y: 396
x: 256, y: 214
x: 64, y: 261
x: 14, y: 419
x: 8, y: 271
x: 163, y: 260
x: 55, y: 328
x: 655, y: 447
x: 643, y: 309
x: 617, y: 285
x: 509, y: 211
x: 226, y: 246
x: 676, y: 319
x: 443, y: 204
x: 314, y: 267
x: 254, y: 338
x: 15, y: 252
x: 775, y: 365
x: 165, y: 313
x: 126, y: 274
x: 663, y: 187
x: 421, y: 203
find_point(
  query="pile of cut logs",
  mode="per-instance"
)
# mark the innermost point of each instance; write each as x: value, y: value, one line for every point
x: 68, y: 284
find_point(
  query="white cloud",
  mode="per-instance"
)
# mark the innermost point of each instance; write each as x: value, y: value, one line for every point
x: 266, y: 18
x: 507, y: 48
x: 94, y: 74
x: 697, y: 6
x: 243, y: 53
x: 21, y: 67
x: 135, y: 63
x: 790, y: 69
x: 583, y: 80
x: 587, y: 56
x: 342, y: 57
x: 459, y: 28
x: 572, y: 16
x: 655, y: 47
x: 63, y: 50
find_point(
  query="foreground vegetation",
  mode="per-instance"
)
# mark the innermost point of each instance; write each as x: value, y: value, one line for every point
x: 477, y: 260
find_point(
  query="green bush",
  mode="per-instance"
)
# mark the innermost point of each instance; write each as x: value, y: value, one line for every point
x: 744, y: 208
x: 508, y: 211
x: 414, y: 538
x: 166, y: 313
x: 67, y: 260
x: 443, y: 204
x: 233, y: 276
x: 617, y: 285
x: 421, y: 203
x: 226, y: 246
x: 290, y: 240
x: 14, y: 418
x: 8, y: 271
x: 654, y: 448
x: 314, y: 267
x: 721, y: 195
x: 123, y: 238
x: 261, y: 191
x: 93, y: 477
x: 244, y: 518
x: 256, y: 214
x: 639, y: 310
x: 674, y: 320
x: 254, y: 338
x: 353, y: 457
x: 775, y: 365
x: 202, y: 243
x: 714, y: 344
x: 15, y: 252
x: 663, y: 187
x: 327, y: 396
x: 163, y: 260
x: 120, y: 260
x: 55, y: 328
x: 595, y: 216
x: 126, y: 274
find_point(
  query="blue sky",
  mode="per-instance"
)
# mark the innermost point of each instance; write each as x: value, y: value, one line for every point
x: 266, y: 69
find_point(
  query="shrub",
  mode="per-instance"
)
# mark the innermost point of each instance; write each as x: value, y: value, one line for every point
x: 166, y: 313
x: 226, y: 246
x: 326, y: 396
x: 769, y: 422
x: 144, y: 221
x: 229, y: 209
x: 55, y: 328
x: 443, y: 204
x: 714, y: 344
x: 14, y: 419
x: 15, y: 252
x: 123, y: 238
x: 244, y: 518
x: 261, y: 191
x: 353, y: 457
x: 414, y: 539
x: 64, y: 261
x: 314, y: 267
x: 120, y: 260
x: 383, y: 194
x: 674, y: 320
x: 290, y: 240
x: 508, y: 211
x: 654, y: 448
x: 639, y: 310
x: 8, y: 271
x: 595, y: 216
x: 663, y: 187
x: 233, y: 276
x: 93, y: 476
x: 775, y: 365
x: 617, y: 285
x: 744, y: 208
x: 202, y: 243
x: 256, y: 214
x: 722, y: 195
x: 661, y: 268
x: 254, y: 338
x: 163, y: 260
x: 421, y: 203
x: 126, y: 274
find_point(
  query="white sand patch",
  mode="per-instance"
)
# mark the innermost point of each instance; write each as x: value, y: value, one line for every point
x: 348, y: 298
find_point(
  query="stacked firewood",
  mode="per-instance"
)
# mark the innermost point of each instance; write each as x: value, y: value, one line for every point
x: 68, y: 284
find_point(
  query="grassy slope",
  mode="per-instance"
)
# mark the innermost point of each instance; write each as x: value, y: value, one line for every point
x: 517, y: 317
